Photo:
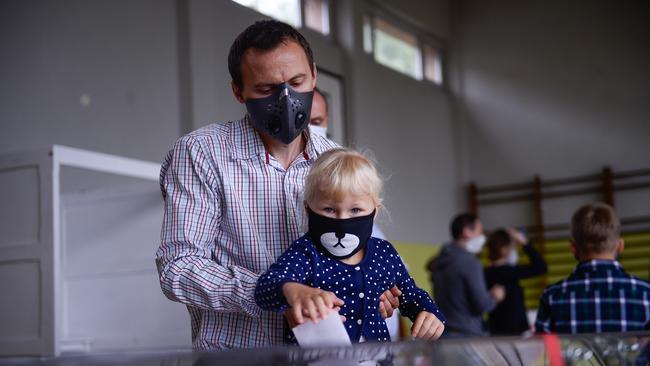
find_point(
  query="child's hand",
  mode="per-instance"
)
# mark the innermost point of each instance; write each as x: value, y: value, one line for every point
x: 308, y: 302
x: 389, y: 302
x: 427, y: 326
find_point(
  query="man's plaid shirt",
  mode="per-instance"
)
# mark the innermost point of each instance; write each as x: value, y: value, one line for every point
x: 231, y: 209
x: 599, y: 296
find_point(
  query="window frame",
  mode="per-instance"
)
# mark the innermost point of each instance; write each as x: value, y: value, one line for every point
x: 303, y: 27
x: 329, y: 20
x: 424, y: 39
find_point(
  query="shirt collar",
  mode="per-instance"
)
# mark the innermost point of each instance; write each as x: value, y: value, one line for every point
x: 597, y: 264
x: 247, y: 143
x: 245, y: 140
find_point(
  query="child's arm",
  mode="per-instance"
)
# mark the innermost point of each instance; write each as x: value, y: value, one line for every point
x: 417, y: 305
x: 283, y: 287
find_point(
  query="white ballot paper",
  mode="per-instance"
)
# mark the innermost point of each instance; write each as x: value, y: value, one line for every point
x: 329, y: 332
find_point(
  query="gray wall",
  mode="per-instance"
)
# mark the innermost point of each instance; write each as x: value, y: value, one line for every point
x: 122, y: 54
x: 553, y: 88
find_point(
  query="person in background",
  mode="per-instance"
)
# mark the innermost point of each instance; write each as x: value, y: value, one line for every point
x: 599, y: 296
x: 458, y: 280
x: 318, y: 126
x: 319, y: 114
x: 509, y: 316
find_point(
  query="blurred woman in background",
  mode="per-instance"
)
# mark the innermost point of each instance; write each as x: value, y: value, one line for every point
x: 509, y: 317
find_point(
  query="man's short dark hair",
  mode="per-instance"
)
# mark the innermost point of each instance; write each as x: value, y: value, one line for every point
x: 460, y: 222
x: 595, y: 228
x: 264, y: 35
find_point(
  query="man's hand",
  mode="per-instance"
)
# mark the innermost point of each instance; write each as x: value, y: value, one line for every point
x: 498, y: 292
x: 308, y: 302
x: 389, y: 302
x: 427, y: 326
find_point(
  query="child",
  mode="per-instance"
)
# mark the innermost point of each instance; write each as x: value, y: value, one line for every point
x: 337, y: 265
x: 509, y: 317
x: 599, y: 296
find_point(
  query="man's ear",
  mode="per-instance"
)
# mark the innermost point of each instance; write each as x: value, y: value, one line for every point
x: 572, y: 246
x: 621, y: 246
x: 237, y: 92
x: 466, y: 233
x: 315, y: 74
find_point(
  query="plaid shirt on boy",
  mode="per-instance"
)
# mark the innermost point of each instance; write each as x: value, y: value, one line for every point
x: 599, y: 296
x: 230, y: 210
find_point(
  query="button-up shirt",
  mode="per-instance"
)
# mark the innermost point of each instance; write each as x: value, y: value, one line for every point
x: 359, y: 285
x: 599, y: 296
x: 230, y: 210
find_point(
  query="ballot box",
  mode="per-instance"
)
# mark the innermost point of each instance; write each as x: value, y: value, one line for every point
x: 596, y: 349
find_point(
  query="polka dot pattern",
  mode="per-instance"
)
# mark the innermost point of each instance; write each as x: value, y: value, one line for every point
x: 359, y: 286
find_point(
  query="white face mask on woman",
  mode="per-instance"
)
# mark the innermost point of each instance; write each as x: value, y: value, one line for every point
x: 513, y: 257
x: 475, y: 244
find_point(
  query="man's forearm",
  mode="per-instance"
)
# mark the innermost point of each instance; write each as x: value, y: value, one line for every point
x: 202, y: 283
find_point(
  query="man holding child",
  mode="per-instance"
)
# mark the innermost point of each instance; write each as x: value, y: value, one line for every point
x: 233, y: 193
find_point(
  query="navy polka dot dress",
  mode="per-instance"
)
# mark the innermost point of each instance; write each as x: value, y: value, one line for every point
x: 359, y: 286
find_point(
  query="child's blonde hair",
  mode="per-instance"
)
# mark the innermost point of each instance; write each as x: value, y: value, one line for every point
x: 341, y: 171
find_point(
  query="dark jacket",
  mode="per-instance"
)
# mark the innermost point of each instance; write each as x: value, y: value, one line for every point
x: 509, y: 317
x: 459, y: 290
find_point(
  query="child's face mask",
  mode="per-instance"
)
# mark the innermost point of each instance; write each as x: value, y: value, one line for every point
x: 283, y: 115
x: 340, y: 238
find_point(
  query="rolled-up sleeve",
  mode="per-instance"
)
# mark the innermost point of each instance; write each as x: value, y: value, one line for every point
x: 186, y: 265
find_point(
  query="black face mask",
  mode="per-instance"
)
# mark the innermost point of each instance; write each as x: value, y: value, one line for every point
x: 340, y: 238
x: 282, y: 115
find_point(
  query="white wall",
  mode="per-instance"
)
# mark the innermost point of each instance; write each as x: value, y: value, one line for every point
x: 553, y: 88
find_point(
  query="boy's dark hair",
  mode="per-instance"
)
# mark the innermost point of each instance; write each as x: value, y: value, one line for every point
x: 595, y: 228
x: 497, y: 241
x: 264, y: 35
x: 460, y: 222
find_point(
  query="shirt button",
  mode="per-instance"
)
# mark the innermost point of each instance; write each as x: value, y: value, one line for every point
x: 359, y: 321
x: 357, y: 268
x: 361, y: 295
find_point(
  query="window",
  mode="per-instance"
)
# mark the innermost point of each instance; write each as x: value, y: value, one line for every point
x: 315, y: 15
x: 401, y: 50
x: 432, y: 65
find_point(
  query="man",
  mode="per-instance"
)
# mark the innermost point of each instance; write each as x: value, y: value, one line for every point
x: 458, y: 280
x: 233, y: 192
x: 599, y: 296
x: 319, y: 114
